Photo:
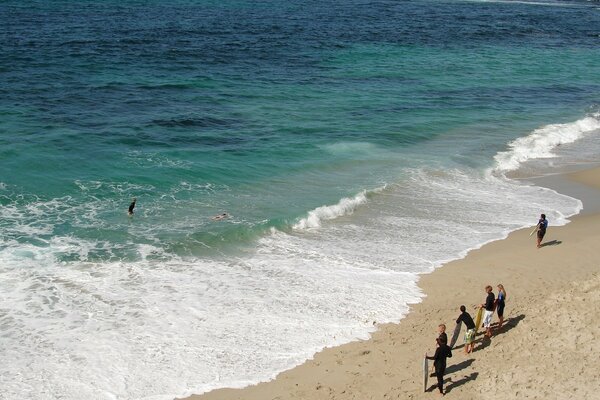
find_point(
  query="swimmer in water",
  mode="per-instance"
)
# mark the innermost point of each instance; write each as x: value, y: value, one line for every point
x: 132, y: 206
x: 220, y: 217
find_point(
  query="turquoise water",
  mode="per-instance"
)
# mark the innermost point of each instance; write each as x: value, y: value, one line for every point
x: 345, y: 141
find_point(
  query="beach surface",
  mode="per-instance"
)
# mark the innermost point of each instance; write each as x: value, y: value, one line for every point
x: 545, y: 350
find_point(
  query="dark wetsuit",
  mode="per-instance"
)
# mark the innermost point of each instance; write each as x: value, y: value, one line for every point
x: 542, y: 225
x: 441, y: 353
x: 467, y: 319
x: 443, y: 337
x: 131, y: 207
x: 489, y: 302
x: 500, y: 304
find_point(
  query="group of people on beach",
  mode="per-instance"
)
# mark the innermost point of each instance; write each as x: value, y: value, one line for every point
x: 443, y: 350
x: 491, y: 305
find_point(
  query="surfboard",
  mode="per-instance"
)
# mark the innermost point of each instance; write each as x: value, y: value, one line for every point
x: 425, y: 373
x: 455, y: 335
x: 534, y: 229
x: 478, y: 319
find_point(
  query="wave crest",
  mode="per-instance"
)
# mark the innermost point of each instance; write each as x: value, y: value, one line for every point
x: 541, y: 142
x: 345, y: 206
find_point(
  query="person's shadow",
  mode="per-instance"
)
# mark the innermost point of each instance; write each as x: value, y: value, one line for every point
x: 456, y: 367
x: 551, y: 243
x: 461, y: 365
x: 454, y: 384
x: 509, y: 324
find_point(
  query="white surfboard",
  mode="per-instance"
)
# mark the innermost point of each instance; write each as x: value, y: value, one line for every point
x: 534, y: 229
x: 425, y: 373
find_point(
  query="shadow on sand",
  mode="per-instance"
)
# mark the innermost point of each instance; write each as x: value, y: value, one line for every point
x: 509, y: 324
x: 551, y: 243
x: 456, y: 367
x: 454, y: 384
x: 461, y: 365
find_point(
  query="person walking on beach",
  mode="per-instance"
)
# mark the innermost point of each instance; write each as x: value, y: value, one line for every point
x: 470, y: 325
x: 541, y: 229
x: 500, y: 304
x: 442, y: 352
x: 489, y: 311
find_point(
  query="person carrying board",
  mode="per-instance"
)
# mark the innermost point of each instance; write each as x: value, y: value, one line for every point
x: 541, y: 229
x: 442, y: 352
x: 470, y: 325
x: 489, y: 305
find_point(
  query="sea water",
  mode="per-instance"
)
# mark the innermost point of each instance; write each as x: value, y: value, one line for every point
x: 355, y: 145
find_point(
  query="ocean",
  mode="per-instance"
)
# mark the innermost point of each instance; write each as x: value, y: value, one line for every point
x: 354, y: 146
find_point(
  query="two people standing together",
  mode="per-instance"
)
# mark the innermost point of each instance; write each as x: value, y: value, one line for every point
x: 492, y: 304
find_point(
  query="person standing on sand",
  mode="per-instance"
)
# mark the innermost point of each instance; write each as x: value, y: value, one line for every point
x: 541, y: 229
x: 470, y: 325
x: 442, y: 332
x: 442, y: 352
x: 489, y: 311
x: 500, y: 304
x: 442, y: 336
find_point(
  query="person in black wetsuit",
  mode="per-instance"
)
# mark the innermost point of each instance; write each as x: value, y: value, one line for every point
x: 541, y: 231
x: 132, y: 206
x: 442, y: 352
x: 500, y: 304
x: 442, y: 331
x: 470, y: 333
x: 490, y: 306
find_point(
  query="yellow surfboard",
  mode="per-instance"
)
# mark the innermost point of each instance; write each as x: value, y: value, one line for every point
x: 478, y: 319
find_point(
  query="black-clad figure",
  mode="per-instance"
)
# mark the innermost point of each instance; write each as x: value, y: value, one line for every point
x: 439, y: 361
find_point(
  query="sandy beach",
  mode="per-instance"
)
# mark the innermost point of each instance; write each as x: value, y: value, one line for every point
x: 545, y: 350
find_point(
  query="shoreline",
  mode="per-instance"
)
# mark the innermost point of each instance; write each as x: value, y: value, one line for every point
x: 388, y: 365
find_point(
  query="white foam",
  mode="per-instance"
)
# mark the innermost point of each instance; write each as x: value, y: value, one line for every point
x: 156, y: 330
x: 344, y: 207
x: 146, y: 329
x: 541, y: 142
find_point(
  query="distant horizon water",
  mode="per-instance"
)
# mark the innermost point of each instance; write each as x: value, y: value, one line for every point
x: 353, y: 146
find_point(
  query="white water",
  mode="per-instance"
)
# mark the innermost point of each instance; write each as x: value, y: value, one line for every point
x: 155, y: 330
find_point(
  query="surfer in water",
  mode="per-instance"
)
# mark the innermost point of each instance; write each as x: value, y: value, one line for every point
x: 541, y: 229
x: 132, y: 206
x: 470, y: 333
x: 220, y: 217
x: 442, y: 352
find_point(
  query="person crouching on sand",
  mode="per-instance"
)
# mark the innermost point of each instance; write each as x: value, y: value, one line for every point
x: 470, y: 325
x: 442, y: 352
x: 500, y: 305
x: 489, y: 311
